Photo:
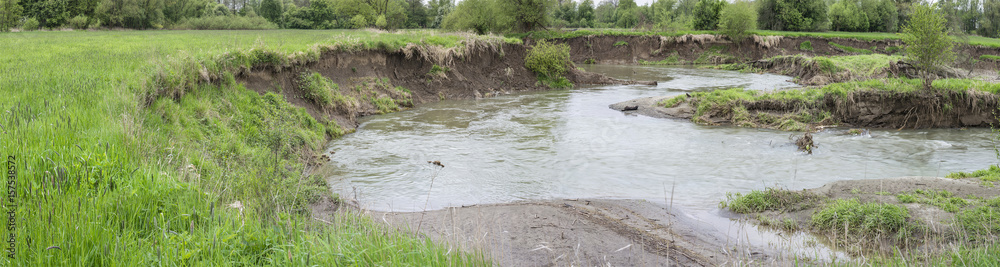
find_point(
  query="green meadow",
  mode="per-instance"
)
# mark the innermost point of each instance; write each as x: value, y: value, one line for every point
x: 111, y: 172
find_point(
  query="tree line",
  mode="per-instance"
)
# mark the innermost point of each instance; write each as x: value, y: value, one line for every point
x: 980, y: 17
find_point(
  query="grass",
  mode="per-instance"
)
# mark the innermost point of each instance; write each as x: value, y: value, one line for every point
x: 941, y: 199
x: 851, y: 49
x: 806, y: 46
x: 437, y: 70
x: 981, y: 222
x: 125, y: 158
x: 989, y: 57
x: 620, y: 43
x: 863, y: 219
x: 671, y: 60
x: 991, y: 174
x: 768, y: 199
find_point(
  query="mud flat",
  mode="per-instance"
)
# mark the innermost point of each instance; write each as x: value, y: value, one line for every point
x: 579, y: 232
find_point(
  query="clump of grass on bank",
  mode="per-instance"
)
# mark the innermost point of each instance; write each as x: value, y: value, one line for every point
x: 990, y: 58
x: 768, y: 199
x: 941, y: 199
x: 851, y: 49
x: 671, y: 60
x: 112, y: 175
x: 550, y: 62
x: 806, y: 46
x: 864, y: 219
x: 982, y: 222
x: 991, y: 174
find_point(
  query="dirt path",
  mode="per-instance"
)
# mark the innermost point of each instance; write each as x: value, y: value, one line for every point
x: 585, y: 232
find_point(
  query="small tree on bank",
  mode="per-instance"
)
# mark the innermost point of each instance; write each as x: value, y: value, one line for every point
x: 927, y: 42
x: 738, y: 20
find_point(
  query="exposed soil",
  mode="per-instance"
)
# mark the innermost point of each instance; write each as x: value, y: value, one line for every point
x: 868, y: 109
x: 936, y: 233
x: 584, y: 232
x: 690, y: 48
x: 480, y: 71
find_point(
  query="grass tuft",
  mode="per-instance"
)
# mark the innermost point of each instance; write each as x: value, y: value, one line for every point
x: 768, y: 199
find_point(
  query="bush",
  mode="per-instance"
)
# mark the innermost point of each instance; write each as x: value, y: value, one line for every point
x: 30, y: 25
x: 231, y: 22
x: 737, y: 20
x: 928, y: 45
x: 547, y: 59
x: 706, y: 14
x: 381, y: 23
x: 359, y: 21
x: 79, y: 22
x: 10, y: 14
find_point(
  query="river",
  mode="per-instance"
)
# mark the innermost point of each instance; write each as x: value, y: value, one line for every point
x: 569, y: 144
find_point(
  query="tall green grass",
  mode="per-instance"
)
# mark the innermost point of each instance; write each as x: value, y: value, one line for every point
x: 110, y: 174
x: 867, y: 36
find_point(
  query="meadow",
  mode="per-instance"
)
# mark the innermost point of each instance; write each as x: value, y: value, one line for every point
x: 110, y: 173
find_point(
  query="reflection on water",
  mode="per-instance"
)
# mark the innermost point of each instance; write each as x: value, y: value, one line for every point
x: 568, y: 144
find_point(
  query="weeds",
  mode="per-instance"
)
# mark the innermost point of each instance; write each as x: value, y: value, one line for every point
x: 981, y: 222
x: 671, y: 60
x: 549, y: 61
x: 620, y: 43
x: 851, y: 49
x: 806, y: 46
x: 768, y: 199
x: 863, y: 220
x: 991, y: 174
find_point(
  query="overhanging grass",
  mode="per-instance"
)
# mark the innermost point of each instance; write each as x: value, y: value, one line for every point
x: 108, y: 176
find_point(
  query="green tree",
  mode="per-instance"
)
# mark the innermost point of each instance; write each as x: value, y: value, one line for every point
x: 136, y: 14
x: 585, y: 12
x: 439, y: 9
x: 271, y: 10
x: 846, y: 15
x: 927, y: 42
x: 524, y: 15
x: 477, y: 15
x: 990, y: 23
x: 791, y: 15
x: 10, y: 13
x: 605, y: 12
x: 416, y: 14
x: 706, y: 14
x: 738, y: 20
x: 627, y: 18
x: 359, y: 21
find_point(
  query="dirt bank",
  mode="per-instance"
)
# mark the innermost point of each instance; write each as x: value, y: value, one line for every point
x: 933, y: 205
x: 869, y: 109
x: 716, y: 49
x: 412, y: 76
x: 584, y: 232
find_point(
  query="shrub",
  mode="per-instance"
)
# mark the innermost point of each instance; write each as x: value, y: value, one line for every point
x: 927, y: 42
x: 381, y: 23
x: 30, y: 25
x: 806, y: 46
x: 230, y: 22
x: 79, y: 22
x: 548, y: 60
x: 737, y: 20
x: 706, y: 14
x: 10, y: 14
x: 358, y: 21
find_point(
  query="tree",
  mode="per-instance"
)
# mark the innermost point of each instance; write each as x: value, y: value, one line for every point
x: 706, y: 14
x: 439, y: 9
x: 585, y: 12
x: 416, y: 14
x: 990, y: 24
x: 927, y: 42
x: 10, y: 13
x: 271, y: 10
x: 737, y: 20
x: 846, y: 15
x: 476, y: 15
x: 524, y: 15
x: 791, y: 15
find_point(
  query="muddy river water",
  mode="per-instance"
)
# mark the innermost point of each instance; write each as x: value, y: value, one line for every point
x: 569, y: 144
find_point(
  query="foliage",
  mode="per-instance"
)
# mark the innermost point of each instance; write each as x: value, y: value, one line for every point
x: 990, y: 57
x: 928, y: 43
x: 738, y: 20
x: 851, y: 49
x: 10, y: 14
x: 136, y: 14
x: 271, y: 10
x: 792, y: 15
x: 79, y: 22
x: 862, y: 16
x: 548, y: 60
x: 359, y: 21
x: 706, y: 14
x: 319, y: 89
x: 230, y: 22
x: 381, y: 23
x: 30, y: 24
x: 525, y: 15
x: 990, y: 23
x: 476, y: 15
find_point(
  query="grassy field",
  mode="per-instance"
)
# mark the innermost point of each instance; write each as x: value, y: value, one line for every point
x: 112, y: 172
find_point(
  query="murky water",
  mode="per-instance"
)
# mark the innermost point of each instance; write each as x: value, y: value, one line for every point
x: 569, y: 144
